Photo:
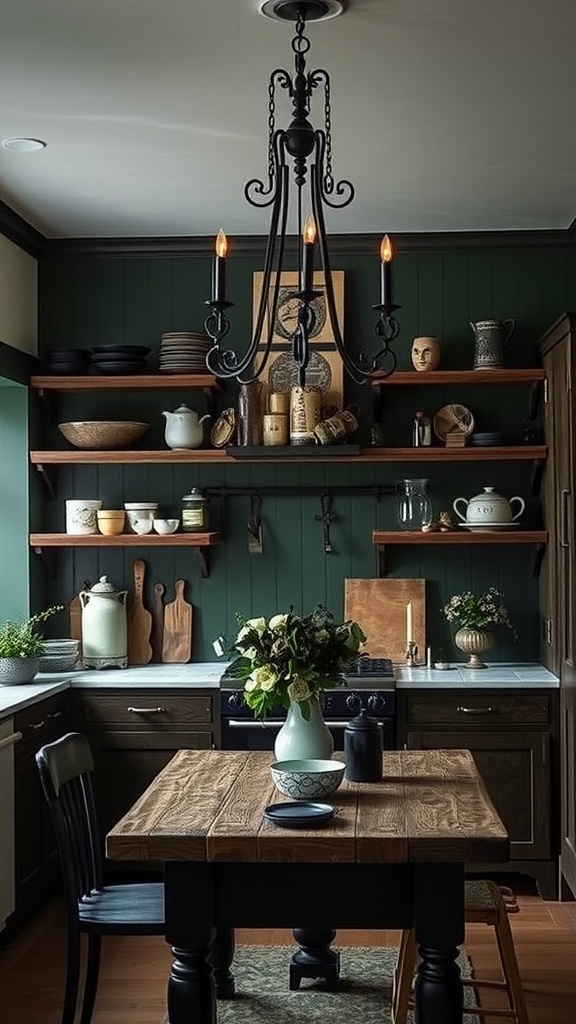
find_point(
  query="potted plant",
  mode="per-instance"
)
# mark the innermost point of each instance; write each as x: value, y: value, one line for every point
x: 472, y: 614
x: 21, y: 647
x: 286, y: 661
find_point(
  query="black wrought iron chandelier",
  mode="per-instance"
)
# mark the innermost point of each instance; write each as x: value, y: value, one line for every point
x: 308, y: 151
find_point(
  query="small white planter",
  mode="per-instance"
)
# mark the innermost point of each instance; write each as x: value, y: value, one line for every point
x: 18, y: 670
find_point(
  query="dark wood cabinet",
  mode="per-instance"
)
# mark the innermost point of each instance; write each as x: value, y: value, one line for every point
x: 133, y: 735
x: 558, y: 598
x: 37, y: 868
x: 512, y: 738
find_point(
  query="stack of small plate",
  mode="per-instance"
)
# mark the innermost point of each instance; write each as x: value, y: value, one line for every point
x: 59, y: 655
x: 119, y: 359
x: 67, y: 361
x: 183, y: 352
x: 494, y: 438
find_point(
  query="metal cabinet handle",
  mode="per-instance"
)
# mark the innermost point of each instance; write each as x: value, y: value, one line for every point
x: 147, y: 711
x: 37, y: 725
x: 476, y: 711
x: 9, y: 741
x: 54, y: 715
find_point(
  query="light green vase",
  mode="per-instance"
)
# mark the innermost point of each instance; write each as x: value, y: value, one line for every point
x: 300, y: 739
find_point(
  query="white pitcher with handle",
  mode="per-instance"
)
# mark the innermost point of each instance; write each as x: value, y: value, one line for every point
x: 184, y: 428
x: 489, y: 508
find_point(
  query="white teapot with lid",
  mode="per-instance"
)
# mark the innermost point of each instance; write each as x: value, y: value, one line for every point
x: 489, y: 508
x: 104, y: 626
x: 184, y: 428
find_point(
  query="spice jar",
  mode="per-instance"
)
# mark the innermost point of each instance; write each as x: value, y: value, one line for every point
x: 194, y: 511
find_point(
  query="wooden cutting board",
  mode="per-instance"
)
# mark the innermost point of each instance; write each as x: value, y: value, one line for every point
x: 139, y: 621
x: 157, y: 621
x: 75, y: 616
x: 177, y: 640
x: 379, y: 606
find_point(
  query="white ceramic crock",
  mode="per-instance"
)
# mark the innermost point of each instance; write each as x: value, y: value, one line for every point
x: 489, y: 507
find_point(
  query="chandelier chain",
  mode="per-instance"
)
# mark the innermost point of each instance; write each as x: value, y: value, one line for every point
x: 328, y: 173
x: 271, y: 127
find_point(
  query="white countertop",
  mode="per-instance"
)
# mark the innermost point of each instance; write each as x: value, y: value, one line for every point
x: 521, y: 676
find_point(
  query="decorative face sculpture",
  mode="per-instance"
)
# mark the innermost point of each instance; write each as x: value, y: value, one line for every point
x: 425, y: 353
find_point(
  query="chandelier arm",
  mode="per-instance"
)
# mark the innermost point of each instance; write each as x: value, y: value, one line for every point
x: 327, y: 187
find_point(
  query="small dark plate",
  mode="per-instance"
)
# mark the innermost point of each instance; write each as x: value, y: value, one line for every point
x: 300, y: 814
x: 110, y: 368
x: 125, y: 350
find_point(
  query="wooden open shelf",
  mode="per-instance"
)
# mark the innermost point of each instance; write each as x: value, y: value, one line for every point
x: 219, y: 455
x: 384, y: 538
x: 201, y: 542
x: 435, y: 377
x: 89, y: 382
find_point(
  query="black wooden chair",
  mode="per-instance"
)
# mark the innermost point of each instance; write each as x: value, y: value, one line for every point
x: 92, y: 908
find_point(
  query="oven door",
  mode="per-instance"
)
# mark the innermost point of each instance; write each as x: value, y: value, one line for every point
x: 240, y: 733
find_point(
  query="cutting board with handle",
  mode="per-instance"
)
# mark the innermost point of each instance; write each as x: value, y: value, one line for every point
x: 139, y: 620
x: 379, y: 606
x: 177, y: 639
x: 157, y: 633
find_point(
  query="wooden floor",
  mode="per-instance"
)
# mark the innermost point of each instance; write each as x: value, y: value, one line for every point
x: 134, y: 970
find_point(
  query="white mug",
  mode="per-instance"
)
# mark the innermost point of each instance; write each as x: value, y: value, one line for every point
x: 81, y: 515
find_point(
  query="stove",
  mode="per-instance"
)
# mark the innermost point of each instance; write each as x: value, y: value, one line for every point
x: 369, y: 685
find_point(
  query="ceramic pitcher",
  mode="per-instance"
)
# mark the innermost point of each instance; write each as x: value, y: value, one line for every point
x: 184, y: 428
x: 491, y: 337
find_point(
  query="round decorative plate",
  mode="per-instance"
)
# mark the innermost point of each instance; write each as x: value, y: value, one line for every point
x: 453, y: 417
x: 283, y: 375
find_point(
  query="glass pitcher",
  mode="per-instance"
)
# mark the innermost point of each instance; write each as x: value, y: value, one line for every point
x: 414, y: 508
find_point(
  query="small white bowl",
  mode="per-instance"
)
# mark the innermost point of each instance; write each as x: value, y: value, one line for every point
x: 166, y: 525
x: 307, y: 779
x: 141, y: 526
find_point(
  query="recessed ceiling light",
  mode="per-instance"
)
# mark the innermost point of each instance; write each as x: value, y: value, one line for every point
x: 24, y: 145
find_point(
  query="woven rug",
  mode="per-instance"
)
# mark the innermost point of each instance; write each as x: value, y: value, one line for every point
x: 263, y: 996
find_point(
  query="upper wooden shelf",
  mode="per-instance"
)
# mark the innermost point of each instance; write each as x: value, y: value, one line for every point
x: 123, y: 540
x: 88, y: 382
x: 464, y: 537
x: 435, y: 377
x: 219, y: 455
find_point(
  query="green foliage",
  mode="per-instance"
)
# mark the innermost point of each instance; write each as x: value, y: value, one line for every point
x: 22, y: 639
x: 469, y: 611
x: 292, y: 657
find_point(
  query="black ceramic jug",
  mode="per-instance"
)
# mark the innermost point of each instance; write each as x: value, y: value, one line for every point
x: 363, y: 749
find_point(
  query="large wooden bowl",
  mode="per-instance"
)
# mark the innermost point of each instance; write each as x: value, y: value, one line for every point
x: 103, y: 433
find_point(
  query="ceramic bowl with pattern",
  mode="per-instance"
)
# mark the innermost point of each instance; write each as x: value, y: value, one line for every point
x: 307, y: 779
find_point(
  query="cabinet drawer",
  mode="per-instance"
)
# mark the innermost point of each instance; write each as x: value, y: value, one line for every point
x: 462, y: 709
x: 147, y: 709
x: 40, y: 723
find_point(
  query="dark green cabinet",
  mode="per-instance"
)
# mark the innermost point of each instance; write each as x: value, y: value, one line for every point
x: 512, y: 739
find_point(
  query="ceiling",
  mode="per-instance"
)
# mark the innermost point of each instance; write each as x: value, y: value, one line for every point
x: 448, y: 115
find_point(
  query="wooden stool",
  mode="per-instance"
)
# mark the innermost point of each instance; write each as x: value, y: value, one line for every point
x: 488, y: 903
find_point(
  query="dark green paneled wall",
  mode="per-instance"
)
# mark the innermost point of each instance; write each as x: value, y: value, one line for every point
x: 93, y: 299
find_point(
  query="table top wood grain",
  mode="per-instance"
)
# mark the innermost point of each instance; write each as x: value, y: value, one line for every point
x: 431, y: 805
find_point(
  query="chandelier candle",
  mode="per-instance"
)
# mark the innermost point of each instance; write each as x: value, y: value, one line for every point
x: 309, y: 237
x: 219, y: 282
x: 386, y: 272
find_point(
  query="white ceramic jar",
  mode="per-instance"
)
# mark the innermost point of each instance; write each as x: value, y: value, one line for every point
x: 81, y: 515
x: 104, y: 626
x: 489, y: 507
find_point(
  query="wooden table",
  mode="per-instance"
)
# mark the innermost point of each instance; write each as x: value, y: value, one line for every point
x: 393, y: 856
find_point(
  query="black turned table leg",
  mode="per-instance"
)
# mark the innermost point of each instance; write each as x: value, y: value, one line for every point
x: 438, y: 995
x: 315, y: 959
x: 221, y: 957
x: 190, y: 987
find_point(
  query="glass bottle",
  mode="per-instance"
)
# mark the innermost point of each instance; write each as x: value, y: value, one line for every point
x: 421, y: 430
x: 414, y: 508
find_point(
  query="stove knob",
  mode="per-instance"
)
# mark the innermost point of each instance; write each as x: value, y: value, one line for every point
x: 376, y: 703
x: 354, y: 703
x: 236, y: 701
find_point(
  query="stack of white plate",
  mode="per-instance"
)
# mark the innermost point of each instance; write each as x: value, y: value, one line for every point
x: 183, y: 352
x: 59, y: 655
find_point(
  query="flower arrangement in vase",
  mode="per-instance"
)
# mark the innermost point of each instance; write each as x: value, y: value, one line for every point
x: 473, y: 614
x: 286, y: 662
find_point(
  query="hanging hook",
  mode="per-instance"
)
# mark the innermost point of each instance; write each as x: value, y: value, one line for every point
x: 255, y: 525
x: 326, y: 518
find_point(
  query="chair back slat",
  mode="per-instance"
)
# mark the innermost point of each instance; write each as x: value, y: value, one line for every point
x: 65, y: 768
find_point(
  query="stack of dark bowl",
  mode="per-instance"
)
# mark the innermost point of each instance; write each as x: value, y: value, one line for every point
x: 119, y: 359
x: 66, y: 362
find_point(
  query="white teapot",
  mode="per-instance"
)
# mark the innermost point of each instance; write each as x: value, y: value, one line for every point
x: 183, y: 428
x: 490, y: 508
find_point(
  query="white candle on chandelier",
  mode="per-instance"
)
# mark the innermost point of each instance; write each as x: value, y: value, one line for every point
x: 219, y: 281
x: 309, y: 239
x: 386, y: 272
x: 409, y: 624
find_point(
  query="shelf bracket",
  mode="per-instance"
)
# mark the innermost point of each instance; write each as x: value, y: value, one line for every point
x: 49, y: 402
x: 204, y: 561
x: 537, y: 560
x: 210, y: 399
x: 536, y: 478
x: 48, y: 557
x: 381, y: 560
x: 48, y: 478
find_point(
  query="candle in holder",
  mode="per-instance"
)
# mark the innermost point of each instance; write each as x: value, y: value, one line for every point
x: 409, y: 624
x: 219, y: 281
x: 309, y: 238
x: 386, y: 272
